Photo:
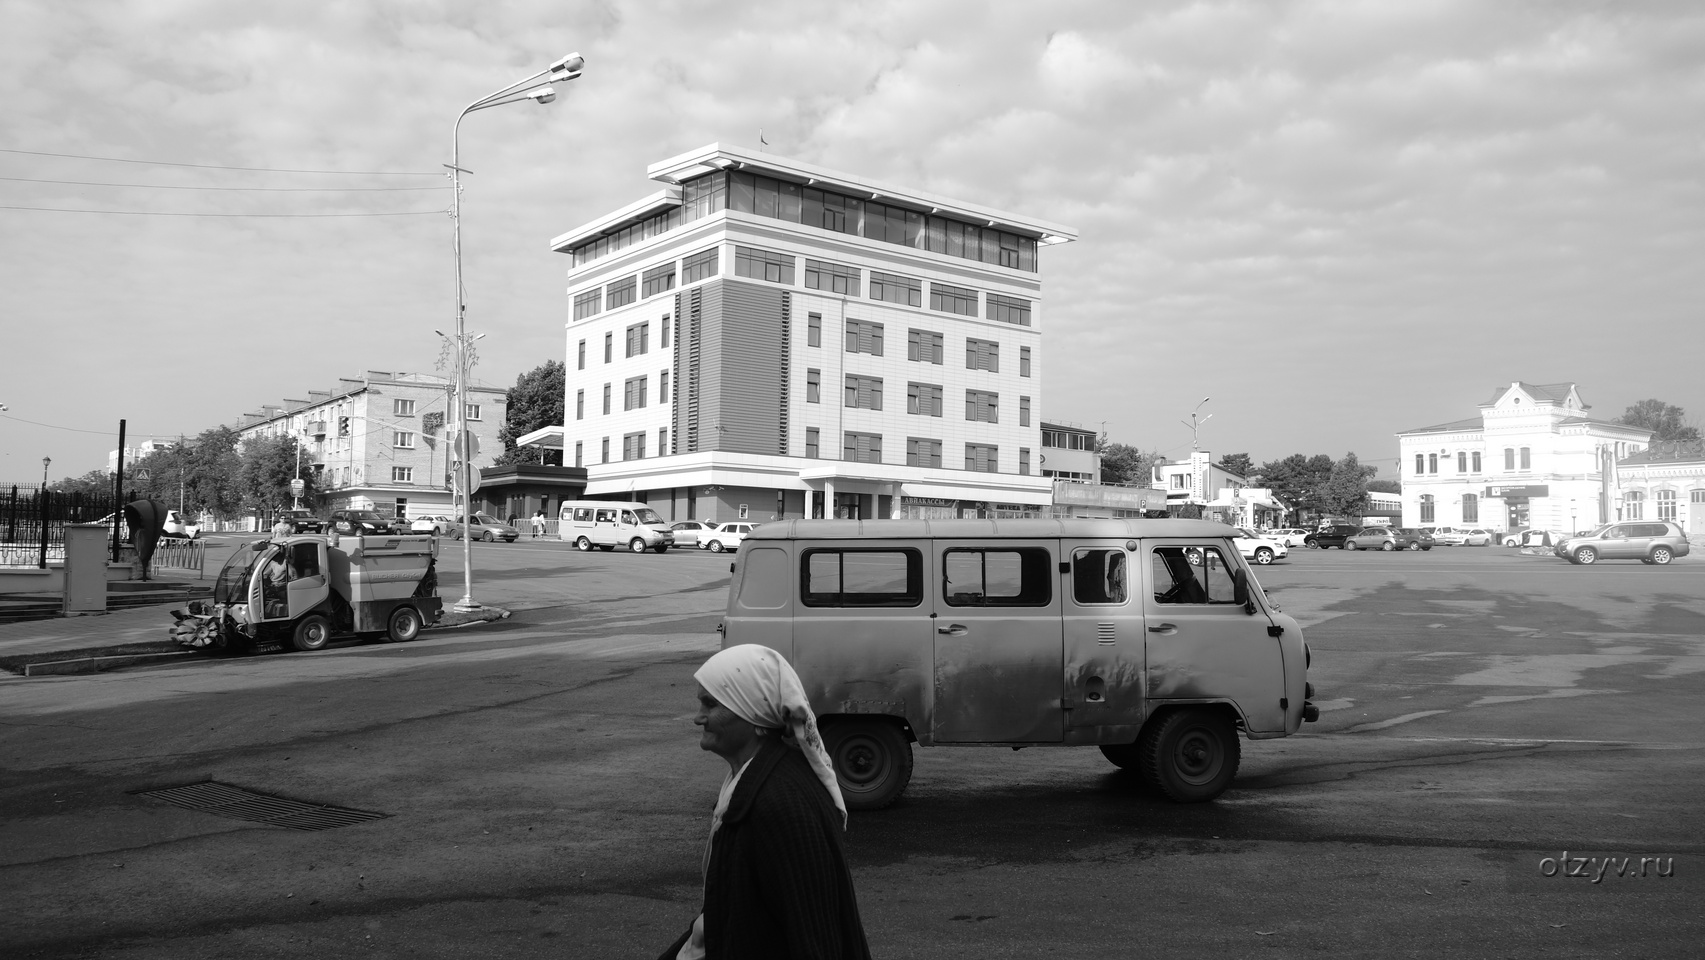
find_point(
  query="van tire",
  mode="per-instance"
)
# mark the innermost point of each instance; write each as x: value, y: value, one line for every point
x: 1192, y: 754
x: 583, y: 545
x: 312, y: 632
x: 661, y: 548
x: 872, y: 761
x: 404, y: 625
x: 636, y: 545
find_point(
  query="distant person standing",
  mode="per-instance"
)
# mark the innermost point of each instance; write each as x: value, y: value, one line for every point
x: 538, y: 524
x: 282, y: 529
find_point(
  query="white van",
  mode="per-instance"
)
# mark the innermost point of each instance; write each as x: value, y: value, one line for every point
x: 608, y: 524
x: 1150, y: 639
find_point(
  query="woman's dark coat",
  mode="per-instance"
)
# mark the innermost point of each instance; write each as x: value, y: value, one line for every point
x: 778, y: 884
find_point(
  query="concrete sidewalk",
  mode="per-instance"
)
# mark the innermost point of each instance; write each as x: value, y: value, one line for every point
x: 135, y: 625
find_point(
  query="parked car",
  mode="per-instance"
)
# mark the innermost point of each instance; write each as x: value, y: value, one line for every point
x: 1259, y: 549
x: 1385, y: 538
x: 302, y: 521
x: 1289, y: 536
x: 1477, y: 537
x: 687, y: 532
x: 1648, y: 542
x: 1330, y: 536
x: 437, y: 524
x: 726, y: 536
x: 179, y: 528
x: 360, y: 523
x: 1422, y: 535
x: 486, y: 527
x: 1533, y: 537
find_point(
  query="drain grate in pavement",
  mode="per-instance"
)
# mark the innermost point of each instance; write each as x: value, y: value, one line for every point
x: 225, y: 800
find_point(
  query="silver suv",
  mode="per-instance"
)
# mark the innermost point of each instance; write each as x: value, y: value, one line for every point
x: 1645, y: 541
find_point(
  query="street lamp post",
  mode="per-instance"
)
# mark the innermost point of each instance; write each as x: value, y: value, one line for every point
x: 44, y: 463
x: 563, y: 70
x: 1194, y: 425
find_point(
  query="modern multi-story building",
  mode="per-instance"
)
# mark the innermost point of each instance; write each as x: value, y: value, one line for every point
x: 378, y: 441
x: 1532, y: 458
x: 766, y: 338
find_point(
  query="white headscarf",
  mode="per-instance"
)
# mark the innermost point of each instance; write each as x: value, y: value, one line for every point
x: 761, y: 688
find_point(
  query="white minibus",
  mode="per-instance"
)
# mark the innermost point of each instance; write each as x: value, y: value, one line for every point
x: 608, y: 524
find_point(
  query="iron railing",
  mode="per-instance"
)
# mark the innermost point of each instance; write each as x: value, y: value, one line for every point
x: 33, y: 520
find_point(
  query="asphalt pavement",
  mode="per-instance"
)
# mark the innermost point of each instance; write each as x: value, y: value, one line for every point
x: 1487, y: 717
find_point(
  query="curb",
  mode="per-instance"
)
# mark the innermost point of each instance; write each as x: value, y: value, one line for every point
x: 62, y: 668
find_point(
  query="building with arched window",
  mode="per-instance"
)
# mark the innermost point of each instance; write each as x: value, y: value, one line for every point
x: 1666, y: 481
x: 1533, y: 457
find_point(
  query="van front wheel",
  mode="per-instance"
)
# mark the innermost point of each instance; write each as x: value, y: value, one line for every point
x: 872, y: 760
x: 1192, y: 755
x: 636, y: 545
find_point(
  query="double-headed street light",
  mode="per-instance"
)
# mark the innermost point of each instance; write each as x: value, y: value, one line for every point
x: 563, y: 70
x: 1194, y: 425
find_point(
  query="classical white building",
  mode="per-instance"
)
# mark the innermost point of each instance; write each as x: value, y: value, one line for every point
x: 765, y: 338
x: 1532, y: 458
x: 1666, y: 481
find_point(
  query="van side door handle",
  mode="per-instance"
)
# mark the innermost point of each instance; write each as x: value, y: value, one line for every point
x: 953, y: 630
x: 1167, y: 628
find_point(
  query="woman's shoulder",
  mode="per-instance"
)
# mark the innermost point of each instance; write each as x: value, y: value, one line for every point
x: 789, y: 785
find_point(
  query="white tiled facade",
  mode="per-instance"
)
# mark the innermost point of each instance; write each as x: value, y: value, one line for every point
x: 732, y: 435
x: 1533, y: 458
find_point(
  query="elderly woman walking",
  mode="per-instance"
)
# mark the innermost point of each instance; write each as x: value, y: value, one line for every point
x: 776, y: 877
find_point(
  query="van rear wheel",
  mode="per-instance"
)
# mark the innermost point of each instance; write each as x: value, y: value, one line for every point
x: 1192, y: 755
x: 872, y: 761
x: 583, y: 545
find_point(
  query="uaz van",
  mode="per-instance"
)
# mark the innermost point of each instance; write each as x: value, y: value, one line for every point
x: 608, y: 524
x: 1147, y: 638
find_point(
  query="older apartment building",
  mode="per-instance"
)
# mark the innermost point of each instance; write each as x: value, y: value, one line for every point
x: 765, y: 338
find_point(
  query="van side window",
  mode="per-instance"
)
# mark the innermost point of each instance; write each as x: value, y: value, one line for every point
x: 1098, y: 575
x: 1192, y: 575
x: 861, y: 578
x: 627, y: 518
x: 1009, y: 577
x: 582, y: 514
x: 606, y: 516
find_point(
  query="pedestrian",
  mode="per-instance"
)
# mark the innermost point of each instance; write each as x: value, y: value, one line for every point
x: 538, y: 524
x: 282, y: 529
x: 776, y: 882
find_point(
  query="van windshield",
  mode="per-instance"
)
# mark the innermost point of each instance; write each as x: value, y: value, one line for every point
x: 648, y: 516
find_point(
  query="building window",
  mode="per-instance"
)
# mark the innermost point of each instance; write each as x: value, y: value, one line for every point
x: 662, y: 441
x: 698, y: 266
x: 621, y: 293
x: 473, y: 411
x: 951, y: 299
x: 1024, y: 411
x: 763, y: 265
x: 1024, y: 361
x: 1024, y: 461
x: 1526, y: 458
x: 1008, y: 310
x: 580, y: 404
x: 662, y: 386
x: 893, y: 288
x: 923, y: 452
x: 1180, y: 481
x: 982, y: 355
x: 1470, y: 508
x: 633, y: 446
x: 582, y: 362
x: 893, y: 225
x: 1633, y: 505
x: 924, y: 399
x: 606, y: 399
x: 982, y: 405
x: 639, y: 339
x: 658, y: 279
x: 402, y: 440
x: 1420, y: 464
x: 402, y: 474
x: 820, y: 275
x: 663, y: 331
x: 924, y: 346
x: 811, y: 442
x: 864, y: 392
x: 578, y: 446
x: 1474, y: 461
x: 606, y: 451
x: 609, y: 346
x: 588, y: 303
x: 861, y: 447
x: 633, y: 394
x: 813, y: 386
x: 1509, y: 459
x: 1426, y: 508
x: 982, y: 458
x: 1432, y: 463
x: 864, y: 336
x: 814, y: 330
x: 1666, y: 504
x: 1461, y: 462
x: 402, y: 408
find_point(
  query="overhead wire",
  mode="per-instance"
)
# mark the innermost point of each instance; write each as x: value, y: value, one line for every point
x: 175, y: 186
x: 218, y: 166
x: 156, y: 213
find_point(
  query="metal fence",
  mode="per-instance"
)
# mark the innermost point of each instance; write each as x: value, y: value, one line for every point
x: 33, y: 519
x: 179, y: 556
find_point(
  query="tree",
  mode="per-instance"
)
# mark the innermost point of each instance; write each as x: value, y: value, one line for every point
x: 1121, y: 463
x: 1663, y: 419
x: 535, y: 401
x: 1298, y: 480
x: 1346, y: 490
x: 265, y: 470
x: 1385, y: 486
x: 96, y: 482
x: 1237, y: 463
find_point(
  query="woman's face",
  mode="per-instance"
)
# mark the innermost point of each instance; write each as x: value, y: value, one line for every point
x: 724, y: 733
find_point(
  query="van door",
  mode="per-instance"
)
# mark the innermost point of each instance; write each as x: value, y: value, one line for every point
x: 861, y: 626
x: 604, y: 526
x: 1202, y: 645
x: 1103, y: 627
x: 999, y: 657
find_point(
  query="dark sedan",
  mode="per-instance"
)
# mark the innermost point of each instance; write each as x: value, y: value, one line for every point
x: 1328, y: 537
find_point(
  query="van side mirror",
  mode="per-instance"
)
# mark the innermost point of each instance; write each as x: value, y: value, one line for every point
x: 1240, y: 591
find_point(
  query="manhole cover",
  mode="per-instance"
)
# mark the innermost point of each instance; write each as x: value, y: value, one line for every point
x: 225, y: 800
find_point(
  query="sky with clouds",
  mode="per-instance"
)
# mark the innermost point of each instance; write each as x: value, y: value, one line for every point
x: 1337, y: 219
